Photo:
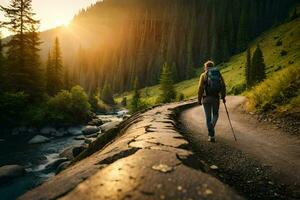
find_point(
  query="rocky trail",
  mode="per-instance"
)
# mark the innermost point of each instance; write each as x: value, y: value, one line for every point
x: 163, y: 153
x: 263, y: 163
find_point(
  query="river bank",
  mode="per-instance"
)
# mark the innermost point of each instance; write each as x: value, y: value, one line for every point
x: 41, y: 160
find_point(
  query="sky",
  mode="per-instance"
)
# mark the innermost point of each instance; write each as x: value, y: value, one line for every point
x: 52, y: 13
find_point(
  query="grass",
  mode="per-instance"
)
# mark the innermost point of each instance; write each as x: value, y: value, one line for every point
x: 285, y: 37
x: 279, y: 91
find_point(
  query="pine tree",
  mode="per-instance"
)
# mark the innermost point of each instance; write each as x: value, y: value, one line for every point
x: 258, y: 66
x: 107, y: 95
x: 49, y: 75
x: 54, y: 70
x: 168, y: 93
x: 33, y: 59
x: 248, y: 69
x: 94, y: 99
x: 22, y: 50
x: 3, y: 77
x: 57, y: 64
x: 67, y: 81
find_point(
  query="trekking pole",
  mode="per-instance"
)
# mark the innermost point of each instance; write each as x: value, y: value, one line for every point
x: 229, y: 121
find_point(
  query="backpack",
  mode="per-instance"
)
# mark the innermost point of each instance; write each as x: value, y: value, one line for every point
x: 213, y: 83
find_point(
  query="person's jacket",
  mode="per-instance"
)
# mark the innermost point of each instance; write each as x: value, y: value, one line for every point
x: 202, y: 92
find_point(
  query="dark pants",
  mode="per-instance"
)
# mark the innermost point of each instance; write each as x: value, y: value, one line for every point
x: 211, y: 109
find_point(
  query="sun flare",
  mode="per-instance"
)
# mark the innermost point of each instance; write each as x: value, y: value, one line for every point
x: 62, y: 22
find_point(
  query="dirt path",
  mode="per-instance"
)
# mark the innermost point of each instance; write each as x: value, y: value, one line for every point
x: 277, y: 152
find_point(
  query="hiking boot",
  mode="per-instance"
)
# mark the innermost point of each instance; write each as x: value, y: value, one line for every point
x: 211, y: 139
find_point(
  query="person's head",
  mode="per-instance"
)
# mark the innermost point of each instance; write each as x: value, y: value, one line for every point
x: 209, y: 64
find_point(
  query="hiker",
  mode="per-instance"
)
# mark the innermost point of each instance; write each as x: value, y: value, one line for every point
x: 211, y: 89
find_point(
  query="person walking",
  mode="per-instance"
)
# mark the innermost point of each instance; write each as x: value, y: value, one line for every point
x: 211, y: 89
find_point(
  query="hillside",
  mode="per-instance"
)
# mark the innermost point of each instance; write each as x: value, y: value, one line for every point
x: 115, y: 41
x: 233, y: 70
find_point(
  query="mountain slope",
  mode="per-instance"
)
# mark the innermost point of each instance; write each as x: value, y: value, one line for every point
x: 233, y: 71
x: 115, y: 41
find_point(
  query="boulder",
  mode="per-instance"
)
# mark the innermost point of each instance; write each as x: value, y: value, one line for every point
x: 62, y: 166
x: 48, y: 130
x: 109, y: 125
x: 38, y: 139
x: 77, y: 150
x: 71, y: 152
x: 53, y: 165
x: 67, y: 153
x: 95, y: 122
x: 88, y: 130
x: 88, y: 141
x: 9, y: 172
x: 75, y: 130
x: 80, y: 137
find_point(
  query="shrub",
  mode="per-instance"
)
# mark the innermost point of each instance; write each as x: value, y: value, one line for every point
x: 276, y: 90
x: 36, y: 115
x: 60, y: 108
x: 103, y: 107
x: 69, y: 107
x: 12, y: 106
x: 237, y: 89
x: 140, y: 106
x: 81, y: 108
x: 93, y: 100
x: 124, y: 102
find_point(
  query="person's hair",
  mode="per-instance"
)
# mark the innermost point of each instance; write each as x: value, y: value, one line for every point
x: 209, y: 64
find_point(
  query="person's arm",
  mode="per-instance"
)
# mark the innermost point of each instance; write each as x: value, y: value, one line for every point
x: 223, y: 91
x: 201, y: 88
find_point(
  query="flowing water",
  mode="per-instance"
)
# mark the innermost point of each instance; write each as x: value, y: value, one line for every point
x: 34, y: 158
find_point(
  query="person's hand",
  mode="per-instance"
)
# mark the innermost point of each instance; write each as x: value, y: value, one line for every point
x: 224, y: 100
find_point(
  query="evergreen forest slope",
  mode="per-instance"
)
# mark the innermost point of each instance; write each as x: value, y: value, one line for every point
x: 281, y: 50
x: 115, y: 41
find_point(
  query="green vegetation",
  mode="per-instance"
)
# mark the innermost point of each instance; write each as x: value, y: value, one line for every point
x: 54, y: 73
x: 255, y: 69
x: 168, y: 93
x: 65, y: 108
x: 234, y: 70
x: 12, y: 106
x: 107, y: 95
x: 136, y: 102
x: 138, y: 36
x: 280, y: 91
x: 22, y: 61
